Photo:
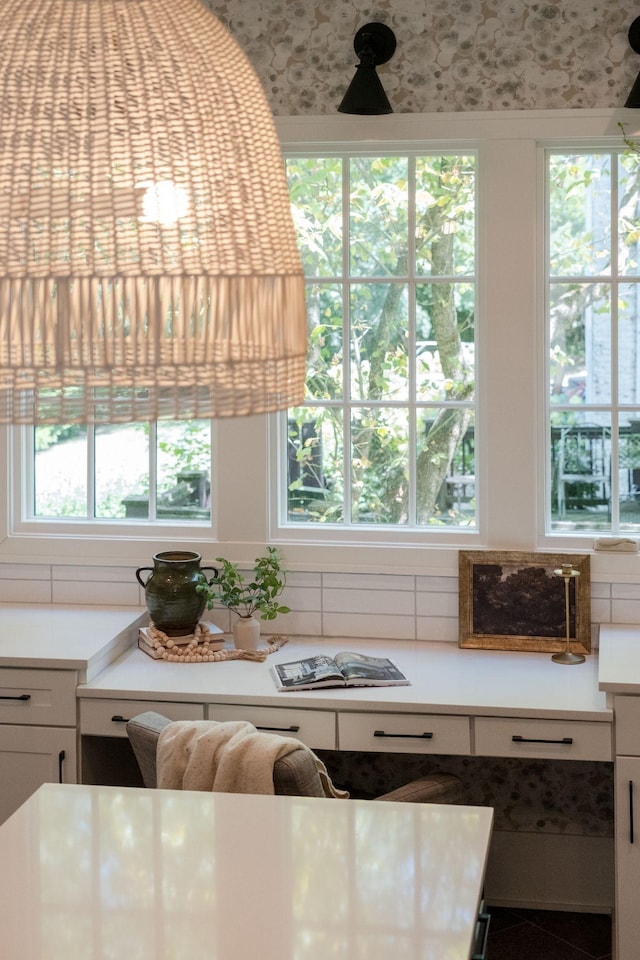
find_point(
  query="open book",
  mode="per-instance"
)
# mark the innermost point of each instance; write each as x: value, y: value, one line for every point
x: 343, y: 670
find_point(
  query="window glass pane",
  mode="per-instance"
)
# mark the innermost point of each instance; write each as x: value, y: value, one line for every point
x: 184, y: 481
x: 445, y: 216
x: 444, y: 341
x: 315, y: 185
x: 628, y: 342
x: 580, y: 470
x: 446, y: 483
x: 629, y: 213
x: 379, y: 465
x: 379, y: 331
x: 315, y: 459
x: 60, y: 471
x: 122, y: 471
x: 629, y: 470
x: 378, y: 216
x: 580, y: 214
x: 580, y: 343
x: 324, y: 354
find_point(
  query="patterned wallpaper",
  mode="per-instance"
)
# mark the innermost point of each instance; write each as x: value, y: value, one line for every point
x: 463, y: 55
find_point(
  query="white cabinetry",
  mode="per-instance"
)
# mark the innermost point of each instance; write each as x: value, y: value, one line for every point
x: 37, y: 732
x: 404, y: 733
x: 627, y: 825
x: 108, y: 718
x: 315, y: 728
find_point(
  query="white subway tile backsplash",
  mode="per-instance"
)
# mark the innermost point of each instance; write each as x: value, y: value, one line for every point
x: 601, y: 611
x: 393, y: 606
x: 104, y: 574
x: 625, y: 591
x: 304, y: 578
x: 28, y: 571
x: 368, y: 581
x: 437, y: 628
x: 368, y: 601
x: 116, y: 594
x: 437, y: 584
x: 437, y: 604
x: 368, y: 625
x: 220, y: 616
x: 301, y: 598
x: 295, y: 624
x: 25, y: 591
x: 625, y: 611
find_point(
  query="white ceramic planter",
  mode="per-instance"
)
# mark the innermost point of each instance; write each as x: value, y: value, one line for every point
x: 246, y: 633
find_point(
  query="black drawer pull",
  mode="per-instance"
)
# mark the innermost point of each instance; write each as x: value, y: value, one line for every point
x: 631, y: 811
x: 119, y: 719
x: 565, y: 740
x: 21, y: 696
x: 410, y: 736
x: 292, y: 729
x: 61, y: 757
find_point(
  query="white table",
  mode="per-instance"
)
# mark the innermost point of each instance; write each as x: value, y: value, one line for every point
x: 95, y: 872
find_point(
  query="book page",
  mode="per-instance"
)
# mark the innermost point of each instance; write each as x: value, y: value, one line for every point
x: 302, y: 673
x: 357, y: 666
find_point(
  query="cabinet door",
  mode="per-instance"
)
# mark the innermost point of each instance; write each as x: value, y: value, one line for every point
x: 31, y: 756
x: 627, y: 827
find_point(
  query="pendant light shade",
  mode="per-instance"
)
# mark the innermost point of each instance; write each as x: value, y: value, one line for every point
x: 148, y: 260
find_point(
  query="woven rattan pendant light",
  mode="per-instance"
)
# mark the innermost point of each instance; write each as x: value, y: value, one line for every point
x: 148, y: 260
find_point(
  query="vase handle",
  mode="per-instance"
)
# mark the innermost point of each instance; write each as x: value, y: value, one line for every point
x: 213, y: 570
x: 140, y: 570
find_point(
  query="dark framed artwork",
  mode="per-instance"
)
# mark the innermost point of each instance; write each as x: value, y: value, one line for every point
x: 515, y: 601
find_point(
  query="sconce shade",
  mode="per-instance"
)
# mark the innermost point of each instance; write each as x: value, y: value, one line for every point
x: 374, y: 44
x: 148, y: 260
x: 633, y: 100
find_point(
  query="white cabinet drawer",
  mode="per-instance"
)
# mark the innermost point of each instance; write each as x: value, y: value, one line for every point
x: 38, y: 696
x: 404, y: 733
x: 544, y: 739
x: 627, y: 714
x: 315, y: 728
x: 108, y: 718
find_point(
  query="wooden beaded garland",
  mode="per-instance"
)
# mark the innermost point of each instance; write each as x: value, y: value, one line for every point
x: 199, y: 650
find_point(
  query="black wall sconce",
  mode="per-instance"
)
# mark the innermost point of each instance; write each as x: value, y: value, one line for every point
x: 375, y: 43
x: 633, y: 100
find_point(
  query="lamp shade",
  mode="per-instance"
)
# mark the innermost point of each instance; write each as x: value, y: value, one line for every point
x: 148, y: 260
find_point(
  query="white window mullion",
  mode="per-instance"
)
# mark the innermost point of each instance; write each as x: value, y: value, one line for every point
x: 346, y: 321
x: 91, y: 471
x: 615, y: 395
x: 411, y: 340
x: 153, y: 471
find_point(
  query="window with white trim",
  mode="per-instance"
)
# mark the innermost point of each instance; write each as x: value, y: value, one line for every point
x: 537, y: 217
x: 388, y: 430
x: 102, y: 474
x: 593, y: 306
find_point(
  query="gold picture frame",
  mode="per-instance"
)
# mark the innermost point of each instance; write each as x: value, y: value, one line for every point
x: 515, y: 601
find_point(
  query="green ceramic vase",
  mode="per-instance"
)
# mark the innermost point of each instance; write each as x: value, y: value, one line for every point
x: 170, y: 591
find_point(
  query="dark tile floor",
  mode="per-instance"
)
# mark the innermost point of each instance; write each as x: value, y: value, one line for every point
x: 548, y: 935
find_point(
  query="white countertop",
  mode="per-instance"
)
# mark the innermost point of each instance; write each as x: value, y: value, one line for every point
x: 443, y: 678
x: 620, y: 658
x: 93, y: 872
x: 74, y: 637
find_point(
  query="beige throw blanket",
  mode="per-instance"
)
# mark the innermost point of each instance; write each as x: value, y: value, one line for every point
x: 231, y: 757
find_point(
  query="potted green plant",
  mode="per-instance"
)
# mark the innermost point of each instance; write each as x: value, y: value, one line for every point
x: 246, y: 595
